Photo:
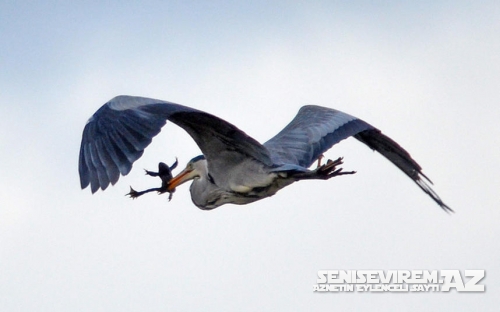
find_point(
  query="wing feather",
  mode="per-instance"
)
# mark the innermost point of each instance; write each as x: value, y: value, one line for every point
x: 316, y: 129
x: 117, y: 134
x: 312, y: 132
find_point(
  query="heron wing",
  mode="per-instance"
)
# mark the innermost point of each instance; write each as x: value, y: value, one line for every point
x: 117, y: 134
x: 312, y: 132
x: 316, y: 129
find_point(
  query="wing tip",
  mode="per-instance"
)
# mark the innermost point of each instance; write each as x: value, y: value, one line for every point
x: 432, y: 194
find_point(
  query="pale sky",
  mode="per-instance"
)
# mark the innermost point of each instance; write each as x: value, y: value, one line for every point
x: 427, y: 74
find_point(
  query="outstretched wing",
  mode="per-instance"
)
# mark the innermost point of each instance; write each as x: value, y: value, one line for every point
x: 117, y: 134
x: 312, y: 132
x: 316, y: 129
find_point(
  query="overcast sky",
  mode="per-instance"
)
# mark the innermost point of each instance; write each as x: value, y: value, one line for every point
x: 427, y: 73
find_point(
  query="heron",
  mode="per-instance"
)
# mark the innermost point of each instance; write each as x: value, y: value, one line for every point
x: 233, y: 167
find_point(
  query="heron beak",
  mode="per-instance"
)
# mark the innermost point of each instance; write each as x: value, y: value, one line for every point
x: 184, y: 176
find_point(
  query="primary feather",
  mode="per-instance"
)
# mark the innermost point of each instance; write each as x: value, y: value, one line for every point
x: 117, y: 134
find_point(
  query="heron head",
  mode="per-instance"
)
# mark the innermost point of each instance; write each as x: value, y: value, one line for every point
x: 195, y: 168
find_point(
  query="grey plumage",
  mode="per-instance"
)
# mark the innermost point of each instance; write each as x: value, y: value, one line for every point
x: 235, y: 167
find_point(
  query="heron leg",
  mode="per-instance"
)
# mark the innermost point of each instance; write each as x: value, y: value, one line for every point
x: 319, y: 160
x: 324, y: 172
x: 329, y: 170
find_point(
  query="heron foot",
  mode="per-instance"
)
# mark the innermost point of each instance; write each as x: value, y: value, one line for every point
x: 324, y: 172
x: 329, y: 170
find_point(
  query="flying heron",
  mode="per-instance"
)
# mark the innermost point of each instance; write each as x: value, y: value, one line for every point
x: 234, y: 168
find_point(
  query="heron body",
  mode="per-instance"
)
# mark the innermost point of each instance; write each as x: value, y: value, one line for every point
x: 208, y: 193
x: 233, y: 168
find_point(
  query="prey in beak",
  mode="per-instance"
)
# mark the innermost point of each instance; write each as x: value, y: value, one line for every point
x: 194, y: 169
x: 184, y: 176
x: 165, y: 174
